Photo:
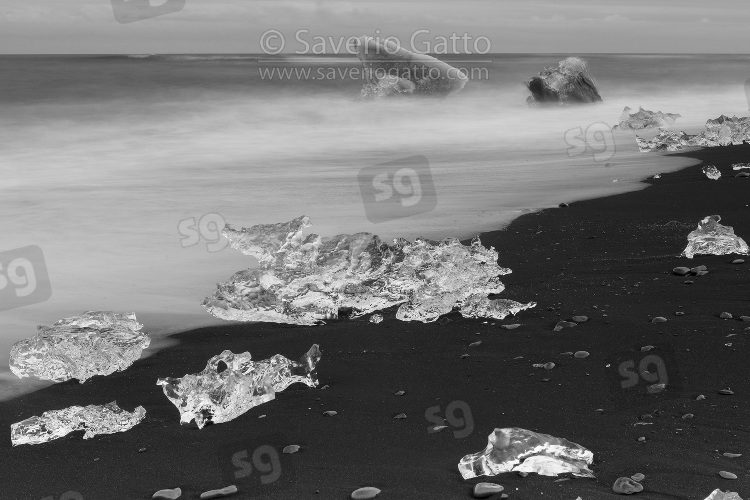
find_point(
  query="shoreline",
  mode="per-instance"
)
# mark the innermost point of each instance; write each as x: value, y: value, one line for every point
x: 607, y: 258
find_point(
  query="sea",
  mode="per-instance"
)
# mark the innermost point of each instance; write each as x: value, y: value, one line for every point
x: 117, y: 172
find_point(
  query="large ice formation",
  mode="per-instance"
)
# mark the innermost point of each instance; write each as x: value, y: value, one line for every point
x: 711, y: 238
x: 305, y: 279
x: 390, y: 69
x: 231, y: 384
x: 717, y: 494
x: 94, y: 419
x: 79, y: 347
x: 645, y: 119
x: 722, y: 131
x: 569, y: 82
x: 515, y: 449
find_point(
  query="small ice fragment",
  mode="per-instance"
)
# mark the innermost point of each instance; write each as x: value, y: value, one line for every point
x: 657, y: 176
x: 223, y: 492
x: 711, y: 238
x: 510, y: 449
x: 94, y: 419
x: 376, y: 318
x: 79, y: 347
x: 712, y: 172
x: 645, y: 119
x: 740, y: 166
x: 717, y: 494
x: 365, y: 493
x: 231, y: 384
x: 167, y: 494
x: 564, y: 324
x: 292, y: 448
x: 626, y: 486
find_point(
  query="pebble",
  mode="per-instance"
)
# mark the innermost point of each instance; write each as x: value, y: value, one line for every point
x: 726, y: 392
x: 638, y: 477
x: 400, y: 393
x: 732, y: 455
x: 646, y: 348
x: 292, y: 448
x: 700, y: 397
x: 564, y: 324
x: 681, y: 271
x: 745, y: 318
x: 699, y: 269
x: 168, y: 494
x: 365, y: 493
x: 679, y: 313
x: 725, y: 315
x: 659, y: 319
x: 523, y: 474
x: 581, y: 354
x: 580, y: 319
x: 141, y: 450
x: 464, y: 356
x: 510, y: 327
x: 626, y: 486
x: 742, y: 174
x: 738, y: 261
x: 484, y: 490
x: 400, y: 416
x: 689, y: 282
x: 548, y: 366
x: 330, y: 413
x: 655, y: 388
x: 687, y: 415
x: 223, y: 492
x: 474, y: 344
x: 565, y: 205
x: 642, y: 439
x: 727, y: 475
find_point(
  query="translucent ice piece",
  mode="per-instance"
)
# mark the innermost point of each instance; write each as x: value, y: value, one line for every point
x: 711, y: 238
x: 740, y: 166
x: 231, y: 384
x: 721, y: 131
x: 306, y: 280
x: 515, y: 449
x: 79, y: 347
x: 94, y: 419
x: 645, y: 119
x: 717, y: 494
x: 712, y: 172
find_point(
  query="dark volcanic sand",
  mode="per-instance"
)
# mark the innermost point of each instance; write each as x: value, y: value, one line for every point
x: 608, y: 259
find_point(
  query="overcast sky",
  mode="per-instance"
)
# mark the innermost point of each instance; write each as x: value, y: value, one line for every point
x: 237, y: 26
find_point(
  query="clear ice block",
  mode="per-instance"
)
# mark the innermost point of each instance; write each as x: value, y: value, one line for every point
x: 721, y: 131
x: 712, y: 172
x: 516, y: 449
x: 79, y: 347
x: 711, y: 238
x: 307, y: 280
x: 645, y: 119
x: 231, y: 384
x: 93, y: 419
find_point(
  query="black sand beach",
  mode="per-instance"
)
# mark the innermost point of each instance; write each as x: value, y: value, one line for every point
x: 609, y: 259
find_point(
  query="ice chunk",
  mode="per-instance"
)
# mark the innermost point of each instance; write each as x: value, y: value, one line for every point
x: 712, y: 172
x: 79, y: 347
x: 645, y: 119
x: 390, y: 69
x: 306, y: 280
x: 711, y: 238
x: 721, y: 131
x: 231, y: 384
x: 94, y: 419
x: 717, y: 494
x: 569, y: 82
x: 740, y: 166
x: 515, y: 449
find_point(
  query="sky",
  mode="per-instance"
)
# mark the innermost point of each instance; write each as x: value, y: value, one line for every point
x: 494, y: 26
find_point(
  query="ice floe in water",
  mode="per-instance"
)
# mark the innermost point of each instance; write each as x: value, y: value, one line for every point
x: 521, y: 450
x: 79, y: 347
x: 306, y: 279
x: 645, y: 119
x: 722, y: 131
x: 94, y: 419
x: 231, y: 384
x: 711, y: 238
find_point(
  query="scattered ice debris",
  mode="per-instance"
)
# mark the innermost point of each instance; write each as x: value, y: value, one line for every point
x: 516, y: 449
x: 292, y: 448
x: 645, y: 119
x: 626, y: 486
x: 168, y: 494
x: 717, y: 494
x: 220, y: 493
x: 711, y: 238
x: 389, y: 69
x: 79, y: 347
x: 231, y: 384
x: 721, y: 131
x: 727, y: 475
x: 740, y: 166
x: 305, y: 280
x: 564, y: 324
x: 93, y: 419
x: 569, y: 82
x: 376, y: 318
x: 365, y: 493
x: 712, y: 172
x: 484, y: 490
x: 657, y: 176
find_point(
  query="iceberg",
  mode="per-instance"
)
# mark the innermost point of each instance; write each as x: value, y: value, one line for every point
x: 722, y: 131
x: 390, y: 69
x: 306, y: 280
x: 569, y: 82
x: 93, y: 419
x: 79, y: 347
x: 521, y: 450
x: 231, y: 384
x: 645, y: 119
x: 711, y: 238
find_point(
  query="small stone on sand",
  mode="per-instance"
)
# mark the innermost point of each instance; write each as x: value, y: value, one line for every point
x: 581, y: 354
x: 580, y: 319
x: 638, y: 477
x: 399, y: 393
x: 330, y: 413
x: 659, y: 319
x: 626, y: 486
x: 738, y: 261
x: 168, y: 494
x: 646, y: 348
x: 700, y: 397
x: 400, y: 416
x: 732, y: 455
x: 475, y: 344
x: 365, y: 493
x: 484, y: 490
x: 564, y: 324
x: 681, y: 271
x: 727, y: 475
x: 220, y: 493
x: 292, y: 448
x: 510, y: 327
x: 726, y: 392
x: 725, y: 315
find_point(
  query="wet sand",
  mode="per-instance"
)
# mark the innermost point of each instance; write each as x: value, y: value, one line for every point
x: 609, y: 259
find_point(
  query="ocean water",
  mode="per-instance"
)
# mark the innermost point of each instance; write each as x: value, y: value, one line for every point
x: 120, y: 168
